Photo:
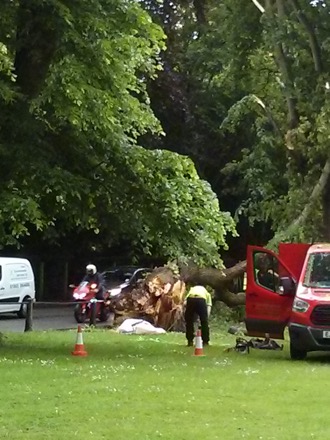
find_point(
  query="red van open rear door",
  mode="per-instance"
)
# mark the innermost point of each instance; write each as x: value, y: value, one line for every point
x: 293, y: 256
x: 267, y: 310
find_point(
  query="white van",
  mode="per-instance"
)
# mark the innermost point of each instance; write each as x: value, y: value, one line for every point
x: 16, y: 285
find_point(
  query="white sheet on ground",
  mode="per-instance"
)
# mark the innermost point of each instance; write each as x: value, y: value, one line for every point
x: 139, y: 327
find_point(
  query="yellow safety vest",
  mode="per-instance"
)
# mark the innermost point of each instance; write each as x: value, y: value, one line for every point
x: 200, y: 292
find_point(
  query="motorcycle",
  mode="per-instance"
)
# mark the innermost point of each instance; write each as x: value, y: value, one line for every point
x: 85, y: 294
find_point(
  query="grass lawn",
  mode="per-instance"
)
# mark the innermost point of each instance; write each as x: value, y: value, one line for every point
x: 134, y: 387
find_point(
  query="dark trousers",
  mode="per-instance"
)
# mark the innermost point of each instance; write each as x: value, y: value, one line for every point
x: 100, y: 293
x: 196, y: 306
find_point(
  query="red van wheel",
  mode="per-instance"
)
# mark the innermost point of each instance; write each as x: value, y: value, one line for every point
x: 297, y: 354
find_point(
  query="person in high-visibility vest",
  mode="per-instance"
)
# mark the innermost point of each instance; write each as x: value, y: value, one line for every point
x: 198, y: 302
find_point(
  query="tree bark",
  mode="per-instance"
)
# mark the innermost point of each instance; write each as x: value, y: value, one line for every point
x: 200, y: 6
x: 220, y: 280
x: 210, y: 276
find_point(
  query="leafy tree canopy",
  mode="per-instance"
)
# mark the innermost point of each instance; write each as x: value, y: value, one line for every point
x: 286, y: 169
x: 249, y: 80
x: 73, y: 105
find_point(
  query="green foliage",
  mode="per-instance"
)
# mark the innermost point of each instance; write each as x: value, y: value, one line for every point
x: 6, y: 74
x: 222, y: 316
x: 228, y: 83
x: 95, y: 83
x: 172, y: 201
x: 207, y: 71
x: 162, y: 207
x: 283, y: 165
x: 90, y: 106
x: 74, y: 105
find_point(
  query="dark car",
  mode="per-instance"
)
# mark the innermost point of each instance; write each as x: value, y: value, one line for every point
x: 123, y: 279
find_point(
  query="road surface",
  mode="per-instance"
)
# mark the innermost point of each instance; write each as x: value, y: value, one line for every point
x: 59, y: 317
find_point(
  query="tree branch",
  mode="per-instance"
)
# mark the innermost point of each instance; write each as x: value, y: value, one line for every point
x: 313, y: 42
x: 317, y: 191
x: 199, y: 6
x: 268, y: 113
x: 283, y: 66
x: 259, y: 6
x: 220, y: 280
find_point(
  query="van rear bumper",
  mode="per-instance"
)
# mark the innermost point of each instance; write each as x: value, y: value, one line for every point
x: 308, y: 338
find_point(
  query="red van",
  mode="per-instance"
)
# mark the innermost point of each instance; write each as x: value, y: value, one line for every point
x: 290, y: 289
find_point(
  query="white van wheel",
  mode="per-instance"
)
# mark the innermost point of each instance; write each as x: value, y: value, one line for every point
x: 22, y: 313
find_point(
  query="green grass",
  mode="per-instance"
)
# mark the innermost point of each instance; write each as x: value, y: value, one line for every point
x: 151, y: 387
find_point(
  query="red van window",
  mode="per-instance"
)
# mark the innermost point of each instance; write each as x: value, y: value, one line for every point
x: 318, y: 270
x: 266, y: 273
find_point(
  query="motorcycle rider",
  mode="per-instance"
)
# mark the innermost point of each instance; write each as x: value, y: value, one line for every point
x: 93, y: 276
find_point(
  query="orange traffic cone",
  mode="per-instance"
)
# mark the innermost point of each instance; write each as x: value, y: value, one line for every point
x: 79, y: 349
x: 198, y: 344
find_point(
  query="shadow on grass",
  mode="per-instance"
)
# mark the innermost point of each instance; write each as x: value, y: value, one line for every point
x: 284, y: 356
x: 317, y: 357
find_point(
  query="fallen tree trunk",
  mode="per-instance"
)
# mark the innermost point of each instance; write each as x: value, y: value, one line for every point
x: 159, y: 298
x: 219, y: 280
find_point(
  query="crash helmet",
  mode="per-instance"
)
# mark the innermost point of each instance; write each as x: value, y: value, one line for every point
x: 91, y: 269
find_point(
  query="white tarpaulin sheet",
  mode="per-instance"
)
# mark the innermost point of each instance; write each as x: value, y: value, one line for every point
x: 139, y: 327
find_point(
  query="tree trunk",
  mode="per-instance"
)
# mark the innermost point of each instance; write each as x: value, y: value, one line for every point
x: 159, y: 298
x: 222, y: 281
x: 318, y: 190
